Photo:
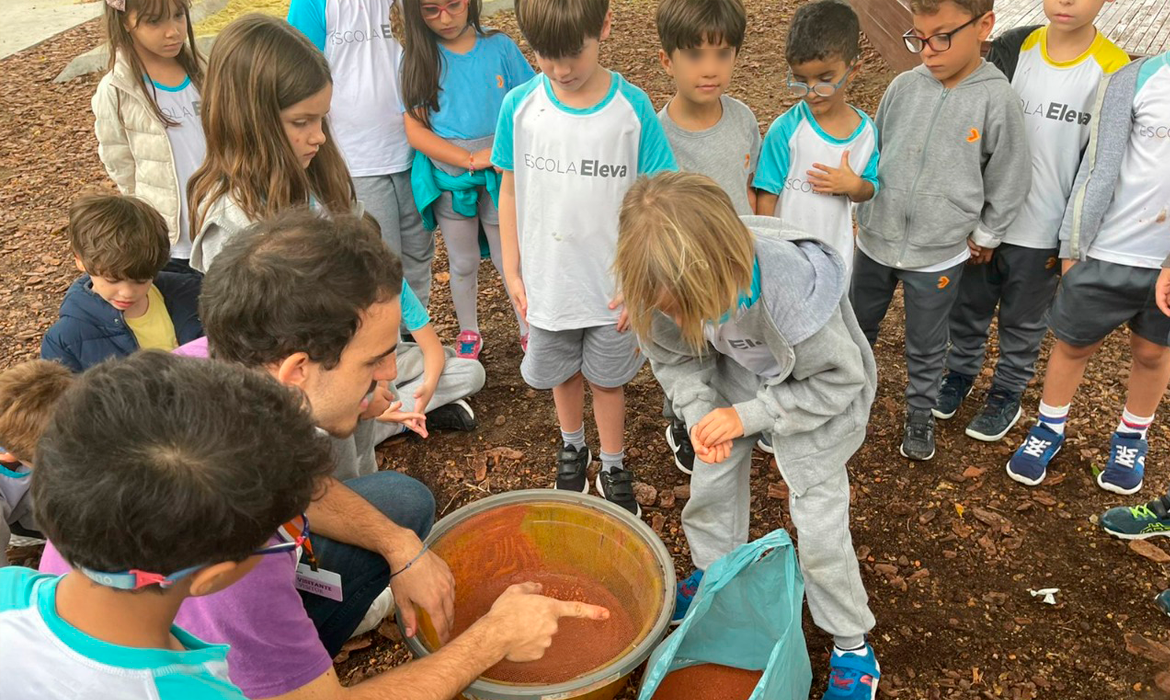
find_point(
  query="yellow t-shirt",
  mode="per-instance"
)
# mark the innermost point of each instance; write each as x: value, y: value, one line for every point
x: 154, y: 329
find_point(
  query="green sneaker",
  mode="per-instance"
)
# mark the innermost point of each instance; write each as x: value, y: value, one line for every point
x: 1139, y: 522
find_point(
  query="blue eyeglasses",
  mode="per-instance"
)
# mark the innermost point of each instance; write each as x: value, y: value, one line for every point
x: 820, y: 88
x: 134, y: 579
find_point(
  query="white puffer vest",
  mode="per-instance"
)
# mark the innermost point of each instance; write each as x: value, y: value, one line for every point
x: 133, y: 143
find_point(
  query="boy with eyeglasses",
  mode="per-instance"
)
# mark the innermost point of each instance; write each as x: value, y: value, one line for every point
x: 821, y: 155
x: 1055, y: 69
x: 955, y: 172
x: 130, y: 441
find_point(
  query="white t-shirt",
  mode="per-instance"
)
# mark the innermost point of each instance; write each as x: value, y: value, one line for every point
x: 366, y: 60
x: 794, y: 142
x: 1056, y: 97
x: 1136, y: 227
x: 181, y: 104
x: 569, y: 190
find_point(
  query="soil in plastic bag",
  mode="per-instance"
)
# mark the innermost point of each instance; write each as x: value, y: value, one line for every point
x: 579, y: 646
x: 708, y: 682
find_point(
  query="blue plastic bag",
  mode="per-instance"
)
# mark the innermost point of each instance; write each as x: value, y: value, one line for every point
x: 746, y: 614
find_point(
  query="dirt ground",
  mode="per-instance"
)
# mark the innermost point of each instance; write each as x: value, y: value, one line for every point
x: 949, y: 548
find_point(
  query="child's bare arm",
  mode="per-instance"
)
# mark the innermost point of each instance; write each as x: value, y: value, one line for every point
x: 437, y: 148
x: 510, y: 243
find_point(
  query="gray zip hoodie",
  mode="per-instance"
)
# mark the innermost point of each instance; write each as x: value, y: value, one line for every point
x: 955, y: 163
x: 818, y: 406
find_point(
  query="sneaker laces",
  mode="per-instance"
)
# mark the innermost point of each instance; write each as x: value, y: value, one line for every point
x: 919, y: 427
x: 1035, y: 447
x: 1125, y: 456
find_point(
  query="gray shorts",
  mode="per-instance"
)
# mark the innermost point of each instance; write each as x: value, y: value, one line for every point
x: 607, y: 358
x: 488, y: 214
x: 1096, y: 297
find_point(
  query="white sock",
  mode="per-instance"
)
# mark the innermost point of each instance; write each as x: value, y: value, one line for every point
x: 1054, y: 416
x: 849, y: 646
x: 611, y: 461
x: 575, y: 438
x: 1130, y: 423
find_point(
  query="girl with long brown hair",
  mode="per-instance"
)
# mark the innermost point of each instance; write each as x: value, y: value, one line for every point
x: 266, y: 97
x: 149, y: 136
x: 455, y: 75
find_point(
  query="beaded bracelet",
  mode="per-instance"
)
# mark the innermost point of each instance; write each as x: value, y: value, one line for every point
x: 471, y: 161
x: 411, y: 562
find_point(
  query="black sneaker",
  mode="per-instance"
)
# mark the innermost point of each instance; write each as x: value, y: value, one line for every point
x: 572, y: 468
x: 999, y: 415
x: 680, y: 445
x: 954, y: 388
x: 918, y: 438
x: 617, y: 486
x: 454, y: 416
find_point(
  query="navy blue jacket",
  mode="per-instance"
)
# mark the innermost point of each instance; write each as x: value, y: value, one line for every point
x: 91, y: 329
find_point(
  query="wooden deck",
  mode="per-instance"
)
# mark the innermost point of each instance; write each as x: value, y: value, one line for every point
x: 1140, y: 27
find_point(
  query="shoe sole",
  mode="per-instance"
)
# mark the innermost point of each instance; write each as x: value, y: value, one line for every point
x: 584, y: 489
x: 1133, y: 536
x: 1025, y: 480
x: 674, y: 450
x: 1114, y: 488
x: 947, y: 416
x: 765, y: 447
x: 929, y: 457
x: 601, y: 492
x: 995, y: 438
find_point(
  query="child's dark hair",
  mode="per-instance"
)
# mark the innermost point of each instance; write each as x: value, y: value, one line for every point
x: 159, y: 463
x: 29, y: 393
x: 119, y: 237
x: 120, y: 41
x: 975, y: 8
x: 558, y: 28
x: 823, y: 30
x: 296, y: 283
x: 422, y: 63
x: 686, y: 24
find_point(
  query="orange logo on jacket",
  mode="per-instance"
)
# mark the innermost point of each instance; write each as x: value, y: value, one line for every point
x: 973, y: 136
x: 747, y: 161
x: 1049, y: 263
x: 499, y: 81
x: 943, y: 281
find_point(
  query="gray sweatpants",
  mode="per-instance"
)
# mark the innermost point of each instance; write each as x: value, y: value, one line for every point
x: 929, y: 297
x: 1022, y: 281
x: 390, y: 200
x: 715, y: 521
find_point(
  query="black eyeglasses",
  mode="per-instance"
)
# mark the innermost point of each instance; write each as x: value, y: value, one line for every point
x: 938, y: 42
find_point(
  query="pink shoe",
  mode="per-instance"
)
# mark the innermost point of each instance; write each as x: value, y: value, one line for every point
x: 468, y: 345
x: 524, y: 342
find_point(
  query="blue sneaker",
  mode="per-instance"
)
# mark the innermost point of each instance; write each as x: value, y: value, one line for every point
x: 684, y: 593
x: 853, y: 676
x: 1139, y: 522
x: 1029, y: 465
x: 1127, y: 464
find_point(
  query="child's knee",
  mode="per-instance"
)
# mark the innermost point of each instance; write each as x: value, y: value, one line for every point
x: 1075, y: 352
x: 1148, y: 354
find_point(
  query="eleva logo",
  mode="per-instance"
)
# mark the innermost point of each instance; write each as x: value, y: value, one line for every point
x: 1056, y: 111
x: 585, y: 167
x: 357, y: 36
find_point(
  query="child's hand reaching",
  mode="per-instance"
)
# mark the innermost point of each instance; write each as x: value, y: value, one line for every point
x: 413, y: 421
x: 422, y: 397
x: 623, y: 323
x: 718, y: 426
x: 979, y: 254
x: 1162, y: 291
x: 712, y: 455
x: 519, y: 295
x: 379, y: 400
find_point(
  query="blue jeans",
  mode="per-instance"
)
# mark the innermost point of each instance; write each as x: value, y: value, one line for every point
x: 365, y: 574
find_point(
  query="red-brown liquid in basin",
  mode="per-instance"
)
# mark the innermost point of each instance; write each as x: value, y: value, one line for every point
x: 579, y: 646
x: 708, y: 682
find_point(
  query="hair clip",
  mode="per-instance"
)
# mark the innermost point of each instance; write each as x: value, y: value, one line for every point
x: 119, y: 5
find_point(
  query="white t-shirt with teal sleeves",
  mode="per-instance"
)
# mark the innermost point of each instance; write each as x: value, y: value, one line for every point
x: 182, y: 104
x: 793, y: 143
x: 46, y: 658
x: 365, y: 60
x: 572, y: 169
x: 473, y: 86
x: 1136, y: 227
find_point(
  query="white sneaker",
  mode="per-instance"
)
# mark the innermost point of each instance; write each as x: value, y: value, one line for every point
x: 382, y: 606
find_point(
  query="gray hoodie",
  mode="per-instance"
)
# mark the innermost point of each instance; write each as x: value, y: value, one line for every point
x: 955, y: 163
x: 818, y: 406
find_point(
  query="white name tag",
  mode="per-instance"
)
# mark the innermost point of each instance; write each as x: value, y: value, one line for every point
x: 326, y: 584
